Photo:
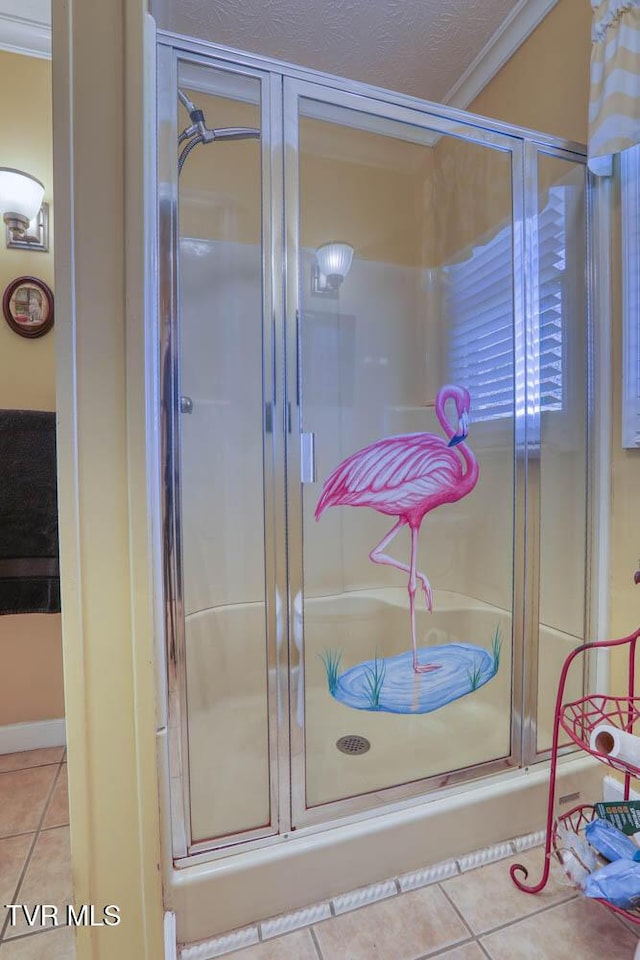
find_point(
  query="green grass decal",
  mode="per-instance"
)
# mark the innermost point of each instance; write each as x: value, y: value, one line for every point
x: 496, y: 647
x: 475, y: 675
x: 332, y: 660
x: 374, y: 678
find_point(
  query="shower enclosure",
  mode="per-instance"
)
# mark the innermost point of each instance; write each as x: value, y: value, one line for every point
x: 294, y: 705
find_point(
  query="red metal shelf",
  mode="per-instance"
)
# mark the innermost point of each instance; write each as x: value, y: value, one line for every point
x: 579, y: 719
x: 576, y: 820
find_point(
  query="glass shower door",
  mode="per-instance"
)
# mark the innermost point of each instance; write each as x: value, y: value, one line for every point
x: 225, y: 722
x: 223, y: 544
x: 403, y: 445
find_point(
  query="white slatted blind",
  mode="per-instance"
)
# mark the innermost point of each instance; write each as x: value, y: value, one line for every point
x: 479, y: 305
x: 630, y: 171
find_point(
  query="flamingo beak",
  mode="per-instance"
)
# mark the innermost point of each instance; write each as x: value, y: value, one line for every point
x: 463, y: 430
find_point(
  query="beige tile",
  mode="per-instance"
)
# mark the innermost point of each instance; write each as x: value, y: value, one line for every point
x: 402, y: 928
x: 470, y: 951
x: 22, y: 798
x: 488, y: 897
x: 52, y: 945
x: 30, y: 758
x: 58, y: 813
x: 47, y: 880
x: 294, y: 946
x: 13, y: 854
x: 578, y: 930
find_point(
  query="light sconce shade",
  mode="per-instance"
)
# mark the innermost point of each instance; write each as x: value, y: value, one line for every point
x: 22, y: 210
x: 333, y: 262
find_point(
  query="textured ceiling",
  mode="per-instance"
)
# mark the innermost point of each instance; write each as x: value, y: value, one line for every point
x: 419, y: 47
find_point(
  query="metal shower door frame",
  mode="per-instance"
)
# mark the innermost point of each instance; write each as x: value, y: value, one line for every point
x: 530, y: 679
x: 282, y: 87
x: 419, y: 117
x: 170, y: 55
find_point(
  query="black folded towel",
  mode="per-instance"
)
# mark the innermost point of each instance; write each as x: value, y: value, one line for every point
x: 29, y: 570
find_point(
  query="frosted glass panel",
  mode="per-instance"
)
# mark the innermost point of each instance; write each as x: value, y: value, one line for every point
x: 375, y: 355
x: 221, y: 445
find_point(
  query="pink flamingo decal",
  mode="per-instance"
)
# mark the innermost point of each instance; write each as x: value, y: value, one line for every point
x: 406, y: 477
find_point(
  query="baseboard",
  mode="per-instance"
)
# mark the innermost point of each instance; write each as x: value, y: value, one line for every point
x: 16, y: 737
x: 170, y: 939
x: 613, y: 790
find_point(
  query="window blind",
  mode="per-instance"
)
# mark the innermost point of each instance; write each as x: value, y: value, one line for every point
x: 479, y: 306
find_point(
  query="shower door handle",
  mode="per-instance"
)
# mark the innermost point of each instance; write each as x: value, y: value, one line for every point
x: 307, y: 458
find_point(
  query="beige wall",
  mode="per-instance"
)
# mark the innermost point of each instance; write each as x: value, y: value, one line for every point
x: 467, y: 197
x: 545, y: 85
x: 31, y: 676
x: 27, y: 378
x: 360, y: 187
x: 30, y: 645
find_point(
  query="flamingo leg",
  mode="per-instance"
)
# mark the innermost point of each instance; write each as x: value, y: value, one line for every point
x: 378, y: 556
x: 417, y: 667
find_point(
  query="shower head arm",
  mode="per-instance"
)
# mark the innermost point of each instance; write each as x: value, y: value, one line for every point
x: 235, y: 133
x: 189, y: 106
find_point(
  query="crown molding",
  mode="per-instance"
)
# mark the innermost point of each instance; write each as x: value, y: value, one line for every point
x: 520, y: 23
x: 26, y: 36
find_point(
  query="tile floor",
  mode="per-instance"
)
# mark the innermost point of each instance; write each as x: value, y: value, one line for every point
x: 35, y: 866
x: 475, y: 915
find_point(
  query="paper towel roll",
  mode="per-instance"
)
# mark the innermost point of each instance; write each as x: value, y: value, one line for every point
x: 615, y: 743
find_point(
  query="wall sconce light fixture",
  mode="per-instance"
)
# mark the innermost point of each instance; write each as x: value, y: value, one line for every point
x: 332, y: 264
x: 22, y: 209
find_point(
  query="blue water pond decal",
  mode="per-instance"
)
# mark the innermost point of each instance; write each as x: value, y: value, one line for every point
x: 391, y: 685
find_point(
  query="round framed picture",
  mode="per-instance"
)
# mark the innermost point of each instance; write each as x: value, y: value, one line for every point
x: 27, y: 305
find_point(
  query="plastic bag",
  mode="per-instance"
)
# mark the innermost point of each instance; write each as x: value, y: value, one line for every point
x: 609, y: 841
x: 577, y: 857
x: 617, y: 882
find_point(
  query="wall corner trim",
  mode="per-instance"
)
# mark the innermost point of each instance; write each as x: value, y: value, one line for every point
x: 16, y: 737
x: 521, y: 22
x: 170, y: 937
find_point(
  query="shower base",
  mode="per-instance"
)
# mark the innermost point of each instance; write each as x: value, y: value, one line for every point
x: 309, y: 867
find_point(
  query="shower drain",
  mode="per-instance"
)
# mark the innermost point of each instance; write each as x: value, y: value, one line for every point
x: 353, y: 744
